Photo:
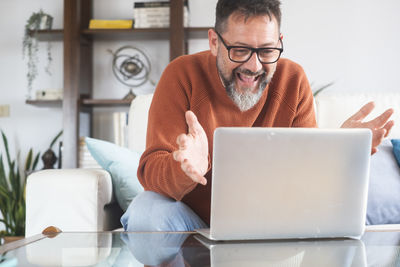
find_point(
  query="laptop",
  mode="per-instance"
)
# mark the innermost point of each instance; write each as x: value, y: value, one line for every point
x: 326, y: 252
x: 285, y: 183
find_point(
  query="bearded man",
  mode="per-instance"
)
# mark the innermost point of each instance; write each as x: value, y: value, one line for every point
x: 242, y: 81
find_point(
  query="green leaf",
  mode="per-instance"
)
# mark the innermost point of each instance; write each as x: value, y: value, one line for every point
x: 319, y: 90
x: 35, y: 162
x: 11, y: 179
x: 6, y: 147
x: 28, y: 160
x: 5, y: 223
x: 4, y: 193
x: 11, y: 166
x: 11, y: 174
x: 3, y: 177
x: 17, y: 189
x: 55, y: 138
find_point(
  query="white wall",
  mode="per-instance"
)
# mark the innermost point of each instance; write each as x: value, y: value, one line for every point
x: 354, y: 43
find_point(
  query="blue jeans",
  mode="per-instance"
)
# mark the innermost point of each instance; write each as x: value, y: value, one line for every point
x: 150, y: 211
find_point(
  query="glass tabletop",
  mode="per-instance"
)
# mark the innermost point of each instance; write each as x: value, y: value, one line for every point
x: 190, y: 249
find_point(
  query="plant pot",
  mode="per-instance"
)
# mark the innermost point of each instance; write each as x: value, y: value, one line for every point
x: 9, y: 239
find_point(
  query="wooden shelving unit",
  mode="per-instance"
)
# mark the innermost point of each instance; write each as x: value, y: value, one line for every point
x: 45, y: 103
x: 78, y: 42
x: 106, y: 102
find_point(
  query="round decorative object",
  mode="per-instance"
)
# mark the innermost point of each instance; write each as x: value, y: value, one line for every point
x: 131, y: 67
x: 49, y: 158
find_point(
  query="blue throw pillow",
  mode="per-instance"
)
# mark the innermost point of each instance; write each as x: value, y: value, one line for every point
x: 384, y: 187
x: 396, y: 149
x: 122, y: 164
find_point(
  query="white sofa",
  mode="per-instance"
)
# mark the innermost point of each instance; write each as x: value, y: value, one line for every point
x: 82, y: 200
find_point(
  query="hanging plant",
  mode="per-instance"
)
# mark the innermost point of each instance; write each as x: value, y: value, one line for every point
x: 30, y: 46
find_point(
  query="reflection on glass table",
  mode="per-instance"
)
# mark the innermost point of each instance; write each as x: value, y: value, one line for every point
x: 189, y: 249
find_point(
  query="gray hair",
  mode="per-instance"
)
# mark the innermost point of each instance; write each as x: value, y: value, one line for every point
x: 247, y: 8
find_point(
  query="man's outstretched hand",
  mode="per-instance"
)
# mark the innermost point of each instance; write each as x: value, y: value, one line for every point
x: 192, y: 150
x: 380, y: 126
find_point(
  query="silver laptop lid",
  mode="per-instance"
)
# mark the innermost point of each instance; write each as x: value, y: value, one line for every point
x: 289, y: 183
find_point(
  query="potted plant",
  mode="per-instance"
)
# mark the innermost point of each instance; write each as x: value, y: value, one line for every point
x: 12, y: 191
x: 30, y: 45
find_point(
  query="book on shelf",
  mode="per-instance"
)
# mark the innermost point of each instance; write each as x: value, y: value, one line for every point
x: 120, y: 122
x: 110, y: 24
x: 86, y: 161
x: 138, y: 4
x: 155, y: 14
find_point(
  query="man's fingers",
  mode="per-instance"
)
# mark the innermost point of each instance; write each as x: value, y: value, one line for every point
x: 380, y: 121
x: 193, y: 173
x: 388, y: 127
x: 363, y: 112
x: 378, y: 136
x: 188, y: 168
x: 192, y: 122
x: 182, y: 140
x: 179, y: 155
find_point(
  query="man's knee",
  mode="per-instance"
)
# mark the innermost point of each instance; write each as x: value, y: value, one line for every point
x: 136, y: 217
x: 150, y: 211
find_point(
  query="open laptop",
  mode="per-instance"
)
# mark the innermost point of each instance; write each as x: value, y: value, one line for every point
x: 283, y: 183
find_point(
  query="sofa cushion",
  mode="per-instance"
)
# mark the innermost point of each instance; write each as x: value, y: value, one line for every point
x: 122, y: 164
x: 384, y: 187
x: 137, y: 125
x: 396, y: 149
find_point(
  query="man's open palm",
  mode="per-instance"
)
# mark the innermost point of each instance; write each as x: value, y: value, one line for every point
x: 192, y: 150
x: 380, y: 126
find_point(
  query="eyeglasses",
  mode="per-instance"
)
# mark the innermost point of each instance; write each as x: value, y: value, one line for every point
x: 241, y: 54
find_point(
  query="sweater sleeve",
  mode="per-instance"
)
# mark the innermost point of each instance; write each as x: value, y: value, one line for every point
x: 305, y: 113
x: 158, y: 171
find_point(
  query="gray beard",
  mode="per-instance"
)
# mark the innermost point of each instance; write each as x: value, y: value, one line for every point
x: 246, y: 100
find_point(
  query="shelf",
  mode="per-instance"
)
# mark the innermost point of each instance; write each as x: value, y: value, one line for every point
x: 45, y: 103
x: 148, y: 34
x: 105, y: 34
x: 48, y: 35
x: 127, y: 34
x: 197, y: 32
x: 105, y: 102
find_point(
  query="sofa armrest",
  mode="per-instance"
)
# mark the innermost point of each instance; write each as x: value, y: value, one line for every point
x: 70, y: 199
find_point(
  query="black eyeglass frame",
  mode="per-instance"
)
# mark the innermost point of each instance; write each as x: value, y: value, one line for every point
x: 253, y: 50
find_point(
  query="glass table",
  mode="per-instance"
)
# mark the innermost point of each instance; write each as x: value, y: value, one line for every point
x: 190, y: 249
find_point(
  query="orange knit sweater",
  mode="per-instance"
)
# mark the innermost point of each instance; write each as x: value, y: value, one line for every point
x: 192, y: 82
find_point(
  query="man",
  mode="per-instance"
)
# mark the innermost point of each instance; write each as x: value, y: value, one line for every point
x: 241, y: 81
